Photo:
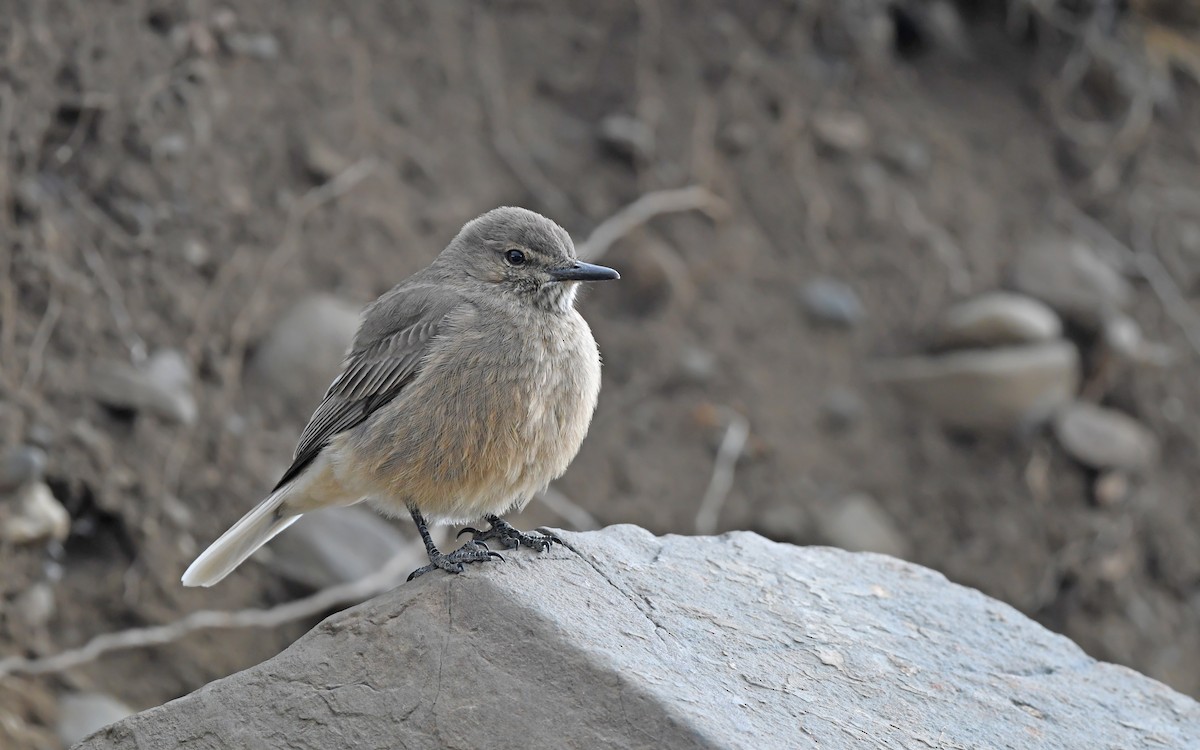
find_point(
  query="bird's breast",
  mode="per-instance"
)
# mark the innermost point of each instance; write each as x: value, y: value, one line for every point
x: 499, y: 410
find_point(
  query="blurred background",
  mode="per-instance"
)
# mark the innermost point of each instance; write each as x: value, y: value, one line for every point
x: 931, y: 288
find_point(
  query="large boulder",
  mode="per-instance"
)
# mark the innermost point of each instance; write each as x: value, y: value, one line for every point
x: 625, y: 640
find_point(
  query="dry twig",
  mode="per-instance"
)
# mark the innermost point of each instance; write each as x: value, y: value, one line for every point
x: 116, y: 303
x: 387, y: 577
x: 645, y: 208
x: 37, y: 348
x: 721, y: 481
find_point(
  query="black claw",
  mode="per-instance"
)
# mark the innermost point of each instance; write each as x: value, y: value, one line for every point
x: 467, y: 529
x: 496, y: 555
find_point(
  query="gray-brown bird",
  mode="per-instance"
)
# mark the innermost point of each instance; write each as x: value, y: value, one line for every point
x: 469, y: 387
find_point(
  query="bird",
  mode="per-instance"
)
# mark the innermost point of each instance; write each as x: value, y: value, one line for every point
x: 468, y: 388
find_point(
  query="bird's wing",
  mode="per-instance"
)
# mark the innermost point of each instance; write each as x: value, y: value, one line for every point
x: 374, y: 372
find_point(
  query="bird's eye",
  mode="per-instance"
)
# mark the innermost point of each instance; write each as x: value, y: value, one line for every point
x: 515, y: 258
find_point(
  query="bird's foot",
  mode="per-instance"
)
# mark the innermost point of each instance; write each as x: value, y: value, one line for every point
x: 511, y: 537
x: 471, y: 552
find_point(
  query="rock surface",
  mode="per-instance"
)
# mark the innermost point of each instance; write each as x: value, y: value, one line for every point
x: 1104, y: 438
x: 996, y: 319
x: 628, y: 640
x: 1003, y: 389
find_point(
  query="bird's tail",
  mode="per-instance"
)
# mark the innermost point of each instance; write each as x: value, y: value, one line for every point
x: 255, y: 529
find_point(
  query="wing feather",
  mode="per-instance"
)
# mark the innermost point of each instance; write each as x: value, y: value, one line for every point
x: 370, y: 378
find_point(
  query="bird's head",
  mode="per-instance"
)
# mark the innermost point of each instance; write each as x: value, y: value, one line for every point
x: 523, y: 253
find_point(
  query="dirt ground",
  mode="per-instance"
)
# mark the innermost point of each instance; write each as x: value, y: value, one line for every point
x: 154, y: 155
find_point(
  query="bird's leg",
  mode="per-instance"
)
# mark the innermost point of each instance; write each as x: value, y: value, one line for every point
x: 473, y: 551
x: 510, y: 537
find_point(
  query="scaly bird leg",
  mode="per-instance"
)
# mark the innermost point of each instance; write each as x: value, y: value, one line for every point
x: 473, y: 551
x: 510, y: 537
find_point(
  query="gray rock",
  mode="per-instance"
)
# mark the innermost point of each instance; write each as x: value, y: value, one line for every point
x: 163, y: 386
x: 628, y: 640
x: 784, y: 522
x: 337, y: 546
x: 858, y: 523
x: 906, y: 155
x: 831, y: 302
x: 1071, y: 278
x: 697, y: 365
x: 842, y: 131
x: 20, y: 465
x: 320, y: 159
x: 737, y: 138
x: 34, y: 515
x: 303, y: 351
x: 1105, y: 439
x: 841, y: 408
x: 1123, y: 337
x: 36, y: 605
x: 996, y: 319
x: 1003, y: 390
x: 81, y: 714
x: 627, y: 137
x: 261, y: 46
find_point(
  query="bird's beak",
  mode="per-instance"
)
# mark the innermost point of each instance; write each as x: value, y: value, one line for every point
x: 581, y: 271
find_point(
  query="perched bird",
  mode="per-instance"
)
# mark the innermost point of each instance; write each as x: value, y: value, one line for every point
x: 468, y: 388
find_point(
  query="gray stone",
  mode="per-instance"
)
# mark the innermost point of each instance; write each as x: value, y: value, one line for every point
x: 34, y: 515
x: 906, y: 155
x: 841, y: 408
x: 996, y: 319
x: 36, y: 605
x: 627, y: 137
x: 1123, y: 337
x: 1005, y: 389
x: 338, y: 545
x: 696, y: 365
x: 81, y: 714
x: 1105, y: 439
x: 304, y: 350
x: 831, y: 302
x: 626, y: 640
x: 1071, y: 278
x: 20, y: 465
x: 320, y: 159
x: 162, y: 385
x: 261, y: 46
x: 842, y: 131
x: 858, y: 523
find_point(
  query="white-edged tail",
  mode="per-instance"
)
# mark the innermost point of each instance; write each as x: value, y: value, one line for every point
x: 255, y: 529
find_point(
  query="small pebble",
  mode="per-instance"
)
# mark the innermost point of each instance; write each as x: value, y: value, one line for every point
x: 36, y: 516
x: 841, y: 409
x: 697, y: 365
x: 627, y: 137
x: 858, y: 523
x: 831, y: 302
x: 1111, y: 488
x: 258, y: 46
x: 1105, y: 438
x: 842, y: 131
x: 36, y: 605
x: 161, y: 386
x: 19, y: 465
x: 996, y: 319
